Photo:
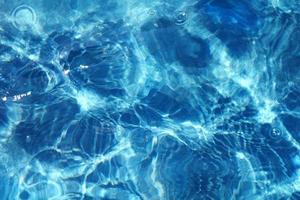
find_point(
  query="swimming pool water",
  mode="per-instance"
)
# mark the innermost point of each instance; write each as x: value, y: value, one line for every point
x: 149, y: 100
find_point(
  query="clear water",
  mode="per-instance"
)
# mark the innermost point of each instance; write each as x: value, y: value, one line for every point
x: 149, y: 100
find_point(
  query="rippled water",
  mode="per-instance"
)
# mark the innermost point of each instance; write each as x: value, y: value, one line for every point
x: 149, y: 100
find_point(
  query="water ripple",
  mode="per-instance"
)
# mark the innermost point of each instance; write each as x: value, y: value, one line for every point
x: 149, y: 100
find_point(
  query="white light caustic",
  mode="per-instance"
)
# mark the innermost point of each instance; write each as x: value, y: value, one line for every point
x: 88, y: 100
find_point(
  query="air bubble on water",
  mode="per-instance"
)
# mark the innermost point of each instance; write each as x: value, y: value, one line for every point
x: 28, y: 138
x: 291, y: 84
x: 66, y: 72
x: 83, y: 66
x: 276, y: 133
x: 23, y: 16
x: 151, y: 12
x: 180, y: 17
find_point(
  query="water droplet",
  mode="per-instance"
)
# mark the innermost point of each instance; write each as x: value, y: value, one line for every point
x: 23, y: 16
x: 180, y: 17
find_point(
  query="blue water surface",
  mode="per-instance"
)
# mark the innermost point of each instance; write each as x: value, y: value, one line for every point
x: 149, y: 100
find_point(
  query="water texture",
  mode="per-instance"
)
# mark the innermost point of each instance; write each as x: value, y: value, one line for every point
x: 149, y: 100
